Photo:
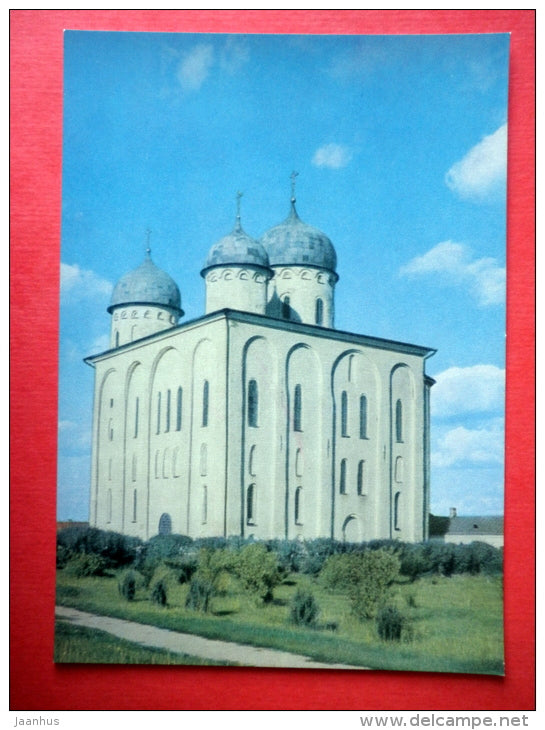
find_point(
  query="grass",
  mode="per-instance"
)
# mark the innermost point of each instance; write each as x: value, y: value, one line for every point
x: 457, y: 621
x: 77, y: 644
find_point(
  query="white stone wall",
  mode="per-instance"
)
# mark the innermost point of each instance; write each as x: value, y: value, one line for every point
x: 236, y: 287
x: 275, y: 472
x: 130, y: 323
x: 304, y: 286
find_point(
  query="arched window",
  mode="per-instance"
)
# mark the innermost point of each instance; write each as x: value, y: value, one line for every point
x: 117, y: 338
x: 167, y: 414
x: 344, y: 414
x: 204, y: 504
x: 342, y: 479
x: 204, y: 459
x: 250, y: 504
x: 399, y: 421
x: 109, y: 506
x: 136, y: 414
x: 363, y: 417
x: 396, y: 511
x: 157, y: 475
x: 134, y: 505
x: 252, y: 403
x: 286, y: 308
x: 298, y: 463
x: 297, y: 409
x: 133, y: 467
x: 251, y: 461
x: 179, y: 410
x: 165, y: 524
x: 361, y: 478
x: 319, y: 311
x: 159, y: 412
x: 399, y: 470
x: 175, y: 464
x: 298, y: 505
x: 205, y: 393
x: 111, y: 429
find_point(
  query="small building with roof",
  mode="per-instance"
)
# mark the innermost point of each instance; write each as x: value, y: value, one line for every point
x: 258, y: 418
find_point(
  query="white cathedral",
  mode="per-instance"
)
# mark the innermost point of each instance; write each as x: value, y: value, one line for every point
x: 258, y: 418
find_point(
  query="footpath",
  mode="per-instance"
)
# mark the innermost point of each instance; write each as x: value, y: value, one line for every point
x: 179, y: 643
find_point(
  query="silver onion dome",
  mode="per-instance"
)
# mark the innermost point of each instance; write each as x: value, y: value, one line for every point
x: 147, y: 284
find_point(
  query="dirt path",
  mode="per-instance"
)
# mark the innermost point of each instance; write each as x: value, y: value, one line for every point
x: 174, y: 641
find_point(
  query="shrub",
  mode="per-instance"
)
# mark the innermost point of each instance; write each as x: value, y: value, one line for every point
x: 390, y: 622
x: 118, y: 549
x: 128, y: 583
x: 257, y: 570
x: 83, y: 565
x: 64, y: 554
x: 304, y: 609
x: 200, y: 594
x: 160, y: 548
x: 159, y: 592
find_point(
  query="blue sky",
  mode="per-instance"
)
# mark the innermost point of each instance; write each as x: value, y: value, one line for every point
x: 400, y: 146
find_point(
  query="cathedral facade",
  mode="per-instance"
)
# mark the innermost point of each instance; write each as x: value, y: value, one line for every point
x: 258, y: 418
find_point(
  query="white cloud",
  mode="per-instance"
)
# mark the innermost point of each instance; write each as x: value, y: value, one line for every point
x: 461, y: 445
x: 235, y: 54
x: 78, y: 284
x: 195, y: 67
x: 484, y: 277
x: 332, y: 155
x: 481, y: 173
x: 474, y: 389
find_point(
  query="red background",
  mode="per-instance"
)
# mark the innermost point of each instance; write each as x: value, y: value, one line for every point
x: 36, y: 137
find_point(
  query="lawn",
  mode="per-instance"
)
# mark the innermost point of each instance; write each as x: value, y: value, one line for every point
x: 456, y: 621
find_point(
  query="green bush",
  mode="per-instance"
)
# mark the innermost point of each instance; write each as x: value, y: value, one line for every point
x: 257, y: 570
x: 390, y: 622
x: 158, y: 593
x: 64, y: 554
x: 83, y: 565
x: 128, y: 583
x: 118, y: 549
x: 160, y: 548
x: 199, y: 595
x: 304, y: 609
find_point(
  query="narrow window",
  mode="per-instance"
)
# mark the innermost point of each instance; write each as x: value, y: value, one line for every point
x: 297, y: 512
x: 179, y: 410
x: 298, y: 463
x: 117, y: 338
x: 204, y: 504
x: 250, y: 504
x: 109, y: 506
x: 251, y: 461
x: 344, y: 414
x: 133, y: 468
x: 175, y: 465
x: 205, y: 392
x: 167, y: 414
x: 111, y: 430
x: 157, y: 464
x: 396, y: 511
x: 361, y: 478
x: 319, y: 311
x: 286, y: 308
x: 342, y: 480
x: 134, y: 505
x: 136, y: 413
x: 350, y: 363
x: 252, y: 403
x: 399, y: 422
x: 204, y: 459
x: 109, y: 470
x: 297, y: 409
x: 159, y: 412
x: 111, y: 402
x: 399, y: 470
x: 363, y: 417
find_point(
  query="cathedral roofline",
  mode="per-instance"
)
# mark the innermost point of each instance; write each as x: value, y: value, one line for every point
x: 273, y: 323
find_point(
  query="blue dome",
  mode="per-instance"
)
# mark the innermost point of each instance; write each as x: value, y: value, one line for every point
x: 296, y: 243
x: 238, y: 248
x: 147, y: 285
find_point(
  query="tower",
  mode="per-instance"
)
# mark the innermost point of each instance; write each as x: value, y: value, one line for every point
x: 237, y: 272
x: 144, y: 301
x: 303, y: 261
